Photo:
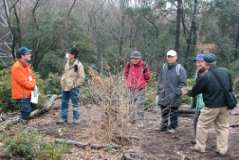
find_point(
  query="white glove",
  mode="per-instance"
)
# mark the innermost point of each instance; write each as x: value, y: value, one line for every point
x: 156, y: 100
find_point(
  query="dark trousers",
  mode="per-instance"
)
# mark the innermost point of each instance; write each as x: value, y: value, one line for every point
x: 195, y: 121
x: 169, y: 116
x: 25, y: 108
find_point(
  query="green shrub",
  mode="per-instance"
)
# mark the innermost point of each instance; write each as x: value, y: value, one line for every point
x: 30, y: 145
x: 6, y: 103
x: 52, y: 151
x: 85, y: 95
x: 236, y: 87
x: 151, y: 91
x: 26, y: 143
x: 187, y: 99
x: 52, y: 84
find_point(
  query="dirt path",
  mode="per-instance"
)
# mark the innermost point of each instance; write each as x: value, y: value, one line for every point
x: 147, y: 142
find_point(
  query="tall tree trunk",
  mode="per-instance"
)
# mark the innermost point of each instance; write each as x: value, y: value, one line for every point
x: 121, y: 39
x: 10, y: 26
x: 18, y: 28
x: 36, y: 41
x: 178, y: 25
x: 67, y: 23
x: 237, y: 43
x: 192, y: 38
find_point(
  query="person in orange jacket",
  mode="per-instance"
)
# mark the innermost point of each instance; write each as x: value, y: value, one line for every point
x: 23, y: 82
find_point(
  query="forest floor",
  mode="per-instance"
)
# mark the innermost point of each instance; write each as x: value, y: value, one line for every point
x: 143, y: 143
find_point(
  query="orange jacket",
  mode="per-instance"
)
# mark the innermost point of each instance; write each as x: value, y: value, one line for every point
x: 22, y: 80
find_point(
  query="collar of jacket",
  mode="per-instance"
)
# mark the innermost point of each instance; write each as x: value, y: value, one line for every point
x: 71, y: 63
x: 170, y: 66
x: 141, y: 62
x: 212, y: 66
x: 24, y: 64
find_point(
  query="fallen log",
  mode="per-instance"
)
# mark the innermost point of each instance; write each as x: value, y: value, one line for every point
x: 133, y: 155
x: 46, y: 108
x: 186, y: 111
x: 14, y: 120
x: 71, y: 142
x: 84, y: 145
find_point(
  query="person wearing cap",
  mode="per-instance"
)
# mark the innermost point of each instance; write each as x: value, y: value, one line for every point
x: 73, y: 77
x: 197, y: 102
x: 137, y: 76
x: 172, y: 78
x: 23, y: 82
x: 215, y: 111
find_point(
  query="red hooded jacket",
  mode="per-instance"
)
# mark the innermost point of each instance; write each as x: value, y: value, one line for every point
x: 137, y: 76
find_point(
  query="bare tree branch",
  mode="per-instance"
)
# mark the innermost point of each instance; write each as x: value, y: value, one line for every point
x: 13, y: 5
x: 18, y: 28
x: 71, y: 8
x: 3, y: 20
x: 34, y: 14
x: 7, y: 12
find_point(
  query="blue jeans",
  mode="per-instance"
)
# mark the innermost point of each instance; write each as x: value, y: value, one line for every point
x: 74, y: 95
x: 25, y: 108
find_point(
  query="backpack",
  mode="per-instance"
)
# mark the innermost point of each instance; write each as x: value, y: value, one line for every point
x: 178, y: 67
x: 144, y: 67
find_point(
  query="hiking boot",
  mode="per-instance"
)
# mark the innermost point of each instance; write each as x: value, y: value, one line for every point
x: 172, y: 131
x: 163, y: 129
x: 222, y: 154
x: 132, y: 121
x: 61, y: 121
x: 76, y: 122
x: 22, y: 121
x: 195, y: 149
x: 140, y: 125
x: 193, y: 141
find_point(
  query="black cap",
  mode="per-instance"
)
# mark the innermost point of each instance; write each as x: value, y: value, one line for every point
x: 74, y: 51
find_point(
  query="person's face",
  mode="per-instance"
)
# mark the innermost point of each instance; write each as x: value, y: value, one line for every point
x: 204, y: 65
x: 26, y: 57
x: 171, y: 59
x: 199, y: 65
x: 71, y: 56
x: 135, y: 60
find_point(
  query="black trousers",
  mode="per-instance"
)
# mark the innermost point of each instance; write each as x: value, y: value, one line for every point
x: 169, y: 116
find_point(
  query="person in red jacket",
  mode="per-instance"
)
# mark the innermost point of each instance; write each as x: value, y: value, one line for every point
x: 22, y: 82
x: 137, y: 76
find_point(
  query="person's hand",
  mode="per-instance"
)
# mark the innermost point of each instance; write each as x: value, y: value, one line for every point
x: 154, y: 93
x: 184, y: 91
x: 30, y: 78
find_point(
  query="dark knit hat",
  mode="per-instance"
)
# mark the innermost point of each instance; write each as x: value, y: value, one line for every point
x: 210, y: 58
x: 136, y: 54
